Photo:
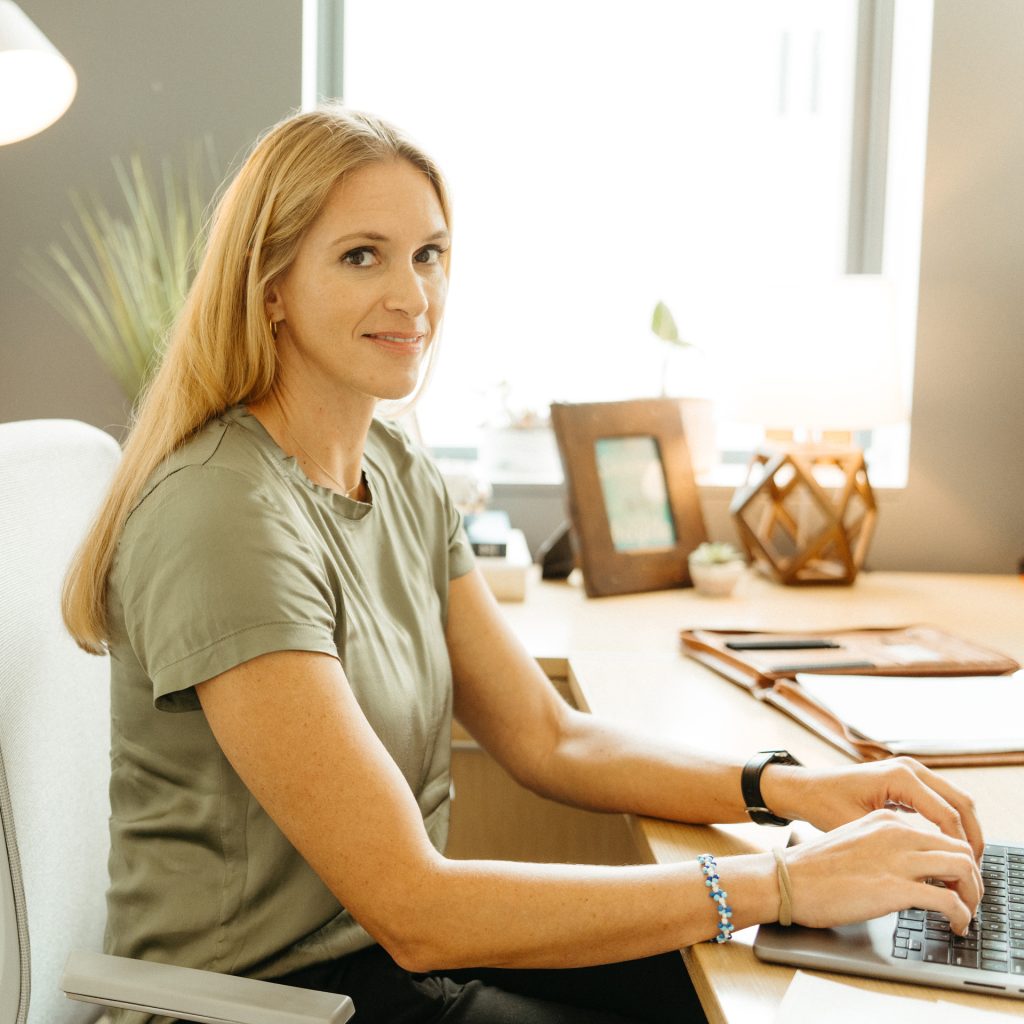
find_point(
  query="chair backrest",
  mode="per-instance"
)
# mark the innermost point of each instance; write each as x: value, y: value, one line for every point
x: 54, y: 721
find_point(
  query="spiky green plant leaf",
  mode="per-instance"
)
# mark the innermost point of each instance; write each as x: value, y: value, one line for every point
x: 120, y: 277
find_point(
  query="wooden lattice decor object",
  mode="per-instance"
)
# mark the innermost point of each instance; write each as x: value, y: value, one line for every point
x: 806, y: 513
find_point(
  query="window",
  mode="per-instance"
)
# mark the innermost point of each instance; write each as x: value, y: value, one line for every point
x: 605, y: 156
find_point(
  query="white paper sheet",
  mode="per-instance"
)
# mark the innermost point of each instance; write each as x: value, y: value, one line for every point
x: 927, y: 714
x: 811, y: 999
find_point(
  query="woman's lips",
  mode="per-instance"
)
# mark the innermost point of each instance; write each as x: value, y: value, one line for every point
x: 397, y: 341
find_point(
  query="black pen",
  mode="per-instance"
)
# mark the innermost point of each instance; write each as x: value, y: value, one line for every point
x: 793, y: 644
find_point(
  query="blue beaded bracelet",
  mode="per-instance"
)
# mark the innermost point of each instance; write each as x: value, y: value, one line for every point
x: 718, y: 894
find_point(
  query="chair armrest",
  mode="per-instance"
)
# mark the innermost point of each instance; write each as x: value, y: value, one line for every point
x: 204, y: 996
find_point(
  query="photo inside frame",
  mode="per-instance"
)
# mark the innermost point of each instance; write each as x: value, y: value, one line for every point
x: 635, y: 492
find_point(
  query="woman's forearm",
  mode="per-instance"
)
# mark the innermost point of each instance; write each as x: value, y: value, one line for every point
x: 601, y: 766
x: 500, y: 914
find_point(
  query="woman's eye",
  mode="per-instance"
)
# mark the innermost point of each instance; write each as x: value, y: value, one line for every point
x: 355, y: 257
x: 432, y: 254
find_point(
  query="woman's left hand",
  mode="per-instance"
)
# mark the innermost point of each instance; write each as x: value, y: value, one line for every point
x: 831, y: 797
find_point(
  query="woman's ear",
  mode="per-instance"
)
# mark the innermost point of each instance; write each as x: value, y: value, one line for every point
x: 273, y: 303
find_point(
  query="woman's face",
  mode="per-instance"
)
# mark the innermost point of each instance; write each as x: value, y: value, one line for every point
x: 365, y: 294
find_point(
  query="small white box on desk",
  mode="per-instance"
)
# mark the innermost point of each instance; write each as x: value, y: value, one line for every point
x: 506, y: 576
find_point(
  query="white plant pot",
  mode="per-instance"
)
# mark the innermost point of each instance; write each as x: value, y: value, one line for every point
x: 716, y: 580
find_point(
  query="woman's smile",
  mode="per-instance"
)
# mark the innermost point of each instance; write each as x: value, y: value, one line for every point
x: 407, y: 344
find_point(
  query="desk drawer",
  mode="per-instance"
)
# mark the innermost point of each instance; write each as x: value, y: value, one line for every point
x: 494, y: 818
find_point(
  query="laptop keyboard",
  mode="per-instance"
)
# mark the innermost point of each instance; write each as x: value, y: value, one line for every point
x: 996, y: 940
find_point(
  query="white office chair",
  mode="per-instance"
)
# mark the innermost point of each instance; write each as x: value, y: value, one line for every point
x: 54, y: 770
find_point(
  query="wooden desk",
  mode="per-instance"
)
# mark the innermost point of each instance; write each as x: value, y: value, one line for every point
x: 622, y: 658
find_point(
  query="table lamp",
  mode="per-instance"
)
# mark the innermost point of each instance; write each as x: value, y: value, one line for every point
x: 36, y: 83
x: 825, y: 366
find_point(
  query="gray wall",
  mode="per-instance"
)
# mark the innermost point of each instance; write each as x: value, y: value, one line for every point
x: 152, y: 76
x: 964, y: 508
x: 160, y: 74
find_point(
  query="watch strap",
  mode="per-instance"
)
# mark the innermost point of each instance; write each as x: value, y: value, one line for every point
x: 750, y: 784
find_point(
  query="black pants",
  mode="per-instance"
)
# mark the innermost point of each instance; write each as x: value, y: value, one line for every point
x: 656, y: 990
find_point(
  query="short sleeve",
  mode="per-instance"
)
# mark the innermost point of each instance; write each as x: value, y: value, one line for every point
x: 212, y: 572
x: 460, y: 551
x: 427, y: 487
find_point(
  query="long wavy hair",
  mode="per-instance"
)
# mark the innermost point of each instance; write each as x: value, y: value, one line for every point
x: 220, y: 351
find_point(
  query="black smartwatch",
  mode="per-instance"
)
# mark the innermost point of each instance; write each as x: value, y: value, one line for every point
x: 750, y: 783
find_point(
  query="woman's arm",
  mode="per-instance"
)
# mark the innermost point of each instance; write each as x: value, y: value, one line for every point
x: 290, y: 725
x: 506, y: 702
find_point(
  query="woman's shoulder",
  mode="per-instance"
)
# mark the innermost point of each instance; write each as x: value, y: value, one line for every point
x: 392, y: 439
x: 216, y: 466
x: 400, y: 456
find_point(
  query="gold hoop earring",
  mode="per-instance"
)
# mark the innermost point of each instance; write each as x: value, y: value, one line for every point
x: 273, y: 329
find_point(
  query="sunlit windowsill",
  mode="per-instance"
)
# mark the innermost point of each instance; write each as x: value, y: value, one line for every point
x: 720, y: 480
x: 729, y: 476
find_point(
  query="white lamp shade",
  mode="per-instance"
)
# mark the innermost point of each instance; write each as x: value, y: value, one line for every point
x: 36, y: 83
x: 826, y: 356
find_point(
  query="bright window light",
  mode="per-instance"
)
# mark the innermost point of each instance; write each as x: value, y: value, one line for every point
x: 603, y: 157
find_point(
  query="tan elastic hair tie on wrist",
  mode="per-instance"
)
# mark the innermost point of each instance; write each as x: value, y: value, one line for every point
x: 785, y: 889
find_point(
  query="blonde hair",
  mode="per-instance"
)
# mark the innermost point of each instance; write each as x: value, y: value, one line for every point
x: 220, y: 350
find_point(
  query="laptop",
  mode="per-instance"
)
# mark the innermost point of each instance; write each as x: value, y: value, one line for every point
x: 917, y: 946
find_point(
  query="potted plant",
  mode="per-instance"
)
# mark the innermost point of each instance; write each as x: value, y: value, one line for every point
x: 123, y: 275
x: 716, y: 568
x: 697, y: 410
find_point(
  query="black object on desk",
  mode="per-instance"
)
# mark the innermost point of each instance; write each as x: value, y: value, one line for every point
x: 808, y: 644
x: 556, y: 556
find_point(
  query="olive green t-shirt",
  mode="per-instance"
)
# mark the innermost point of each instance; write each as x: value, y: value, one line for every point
x: 230, y: 553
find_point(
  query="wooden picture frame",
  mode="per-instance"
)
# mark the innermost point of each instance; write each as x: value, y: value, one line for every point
x: 632, y: 497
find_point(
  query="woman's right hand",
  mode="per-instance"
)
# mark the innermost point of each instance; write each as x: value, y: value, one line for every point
x: 878, y: 864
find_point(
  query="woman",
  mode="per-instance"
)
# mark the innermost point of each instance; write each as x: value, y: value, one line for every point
x: 292, y: 615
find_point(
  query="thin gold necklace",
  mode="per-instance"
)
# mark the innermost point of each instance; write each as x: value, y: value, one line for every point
x: 323, y: 469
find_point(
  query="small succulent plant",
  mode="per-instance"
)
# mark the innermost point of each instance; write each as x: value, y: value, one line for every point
x: 715, y: 553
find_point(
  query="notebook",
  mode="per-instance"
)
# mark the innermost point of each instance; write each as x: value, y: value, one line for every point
x: 917, y: 946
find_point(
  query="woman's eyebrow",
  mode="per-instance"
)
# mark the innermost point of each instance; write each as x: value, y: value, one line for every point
x: 376, y: 236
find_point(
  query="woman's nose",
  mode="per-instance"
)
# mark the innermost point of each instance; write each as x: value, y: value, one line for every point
x: 407, y: 292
